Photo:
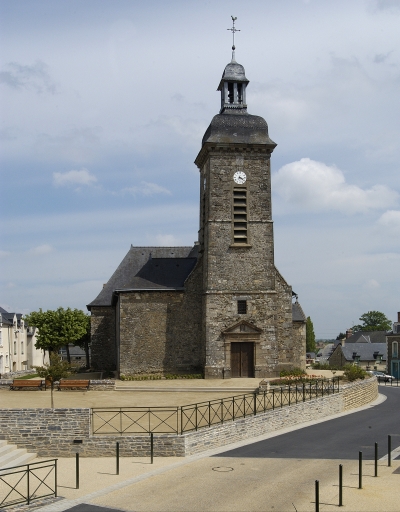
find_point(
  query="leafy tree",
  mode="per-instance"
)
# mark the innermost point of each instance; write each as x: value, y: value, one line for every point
x: 310, y: 336
x: 340, y: 336
x: 58, y: 328
x: 373, y: 321
x: 56, y: 370
x: 84, y: 342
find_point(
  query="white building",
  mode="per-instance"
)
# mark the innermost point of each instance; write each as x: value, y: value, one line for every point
x: 17, y: 344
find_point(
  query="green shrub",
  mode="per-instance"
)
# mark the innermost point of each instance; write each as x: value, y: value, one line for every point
x: 157, y: 376
x: 353, y: 372
x: 325, y: 366
x: 187, y: 376
x: 294, y: 372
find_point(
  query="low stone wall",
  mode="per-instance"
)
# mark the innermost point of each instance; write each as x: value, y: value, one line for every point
x: 270, y: 421
x: 358, y: 393
x: 55, y: 432
x: 5, y: 384
x: 102, y: 385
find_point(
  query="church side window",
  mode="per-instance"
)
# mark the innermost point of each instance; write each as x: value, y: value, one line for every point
x: 239, y: 216
x: 242, y: 307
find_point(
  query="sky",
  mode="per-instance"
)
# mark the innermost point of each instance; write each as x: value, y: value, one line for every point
x: 103, y: 107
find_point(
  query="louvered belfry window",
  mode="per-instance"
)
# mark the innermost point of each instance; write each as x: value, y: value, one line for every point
x: 239, y: 216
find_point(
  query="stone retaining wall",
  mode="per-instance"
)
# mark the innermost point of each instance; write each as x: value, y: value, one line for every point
x: 52, y: 432
x: 360, y: 392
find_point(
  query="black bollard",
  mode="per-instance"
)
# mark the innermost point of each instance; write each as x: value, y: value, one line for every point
x: 340, y: 485
x: 77, y: 470
x: 389, y: 451
x: 117, y: 457
x: 151, y: 448
x: 376, y: 459
x: 316, y: 495
x: 360, y: 470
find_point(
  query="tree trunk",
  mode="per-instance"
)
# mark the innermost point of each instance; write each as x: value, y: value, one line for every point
x: 68, y: 354
x: 51, y: 394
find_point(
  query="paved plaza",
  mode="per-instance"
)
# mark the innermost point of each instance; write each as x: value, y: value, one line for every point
x: 213, y: 480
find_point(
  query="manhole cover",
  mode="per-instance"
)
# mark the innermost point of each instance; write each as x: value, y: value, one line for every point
x: 222, y: 469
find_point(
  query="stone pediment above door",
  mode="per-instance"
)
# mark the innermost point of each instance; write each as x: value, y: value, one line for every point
x: 242, y: 331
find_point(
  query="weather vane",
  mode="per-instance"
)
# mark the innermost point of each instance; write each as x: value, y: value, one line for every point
x: 233, y: 30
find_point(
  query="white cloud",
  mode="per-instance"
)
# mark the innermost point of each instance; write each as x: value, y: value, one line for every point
x: 41, y: 249
x: 146, y: 189
x: 167, y: 240
x: 390, y: 218
x: 82, y: 177
x: 315, y: 186
x: 35, y: 77
x: 372, y: 284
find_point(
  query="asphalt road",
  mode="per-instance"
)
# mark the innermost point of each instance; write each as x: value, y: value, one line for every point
x: 340, y: 438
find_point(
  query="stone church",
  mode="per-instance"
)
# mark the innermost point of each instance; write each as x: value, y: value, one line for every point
x: 220, y: 307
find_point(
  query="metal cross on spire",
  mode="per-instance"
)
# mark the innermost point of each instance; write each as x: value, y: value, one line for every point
x: 233, y: 30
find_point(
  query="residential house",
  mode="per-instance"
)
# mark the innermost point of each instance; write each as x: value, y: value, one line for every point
x: 392, y: 344
x: 368, y: 355
x: 17, y: 344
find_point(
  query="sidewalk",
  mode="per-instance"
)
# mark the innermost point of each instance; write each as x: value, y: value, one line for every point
x: 208, y: 482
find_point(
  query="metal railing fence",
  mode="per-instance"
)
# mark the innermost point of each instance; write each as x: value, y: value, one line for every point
x: 188, y: 418
x: 135, y: 420
x: 390, y: 382
x: 29, y: 482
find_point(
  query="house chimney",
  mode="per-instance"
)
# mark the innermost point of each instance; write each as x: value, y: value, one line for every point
x: 398, y: 316
x: 349, y: 333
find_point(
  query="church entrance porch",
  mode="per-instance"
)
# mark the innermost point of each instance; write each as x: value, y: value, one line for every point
x: 242, y: 359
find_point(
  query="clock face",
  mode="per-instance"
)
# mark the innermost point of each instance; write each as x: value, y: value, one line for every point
x: 239, y: 177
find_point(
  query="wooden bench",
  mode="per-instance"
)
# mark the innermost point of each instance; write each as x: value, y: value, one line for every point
x: 70, y: 384
x: 28, y: 383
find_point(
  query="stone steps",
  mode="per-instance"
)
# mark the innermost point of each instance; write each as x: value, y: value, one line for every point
x: 11, y: 455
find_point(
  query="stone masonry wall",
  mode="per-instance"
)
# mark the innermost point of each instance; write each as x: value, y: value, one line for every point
x: 270, y: 421
x: 103, y: 342
x: 160, y: 331
x: 360, y: 392
x: 233, y: 272
x: 51, y: 432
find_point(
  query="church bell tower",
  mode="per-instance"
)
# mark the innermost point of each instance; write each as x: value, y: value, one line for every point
x: 247, y: 305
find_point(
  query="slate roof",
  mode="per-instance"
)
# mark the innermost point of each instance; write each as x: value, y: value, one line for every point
x: 134, y: 261
x: 162, y: 273
x: 325, y: 352
x: 365, y: 351
x: 298, y: 313
x: 367, y: 337
x: 8, y: 318
x: 239, y: 128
